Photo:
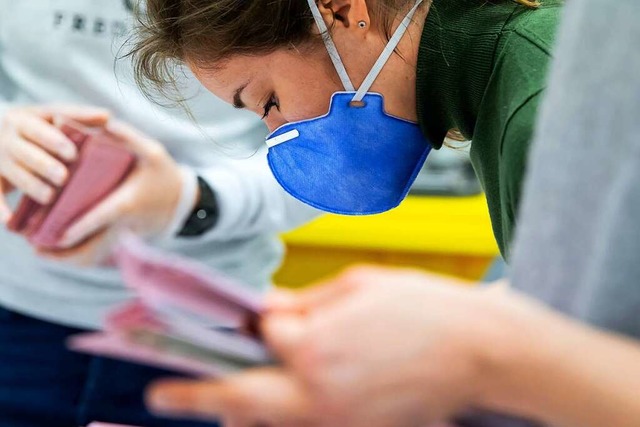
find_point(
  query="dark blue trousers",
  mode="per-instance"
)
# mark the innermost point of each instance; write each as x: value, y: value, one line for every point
x: 42, y: 384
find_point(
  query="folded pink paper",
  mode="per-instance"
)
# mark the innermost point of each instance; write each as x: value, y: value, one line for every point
x: 102, y: 165
x: 117, y: 346
x: 186, y: 317
x: 167, y: 281
x: 136, y: 316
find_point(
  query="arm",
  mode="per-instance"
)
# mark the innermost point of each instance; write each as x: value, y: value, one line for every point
x: 515, y: 145
x: 251, y: 201
x: 457, y: 348
x: 157, y: 199
x: 248, y: 201
x: 572, y: 375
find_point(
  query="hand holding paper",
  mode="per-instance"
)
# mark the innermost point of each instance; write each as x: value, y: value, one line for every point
x: 344, y: 362
x: 146, y: 201
x: 34, y: 153
x: 112, y: 177
x: 102, y: 164
x: 194, y: 320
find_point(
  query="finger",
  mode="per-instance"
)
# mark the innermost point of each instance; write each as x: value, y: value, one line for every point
x: 285, y: 335
x: 263, y: 396
x: 42, y: 133
x: 105, y: 214
x: 134, y: 140
x: 85, y: 114
x: 40, y: 162
x: 26, y: 182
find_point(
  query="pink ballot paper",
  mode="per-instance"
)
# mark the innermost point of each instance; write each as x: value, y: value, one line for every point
x: 168, y: 281
x: 186, y: 318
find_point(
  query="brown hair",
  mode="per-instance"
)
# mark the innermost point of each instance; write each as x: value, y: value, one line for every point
x: 205, y: 32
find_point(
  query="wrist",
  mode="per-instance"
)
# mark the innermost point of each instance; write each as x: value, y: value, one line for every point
x: 541, y: 365
x: 196, y: 198
x: 187, y: 198
x: 529, y: 350
x: 204, y: 212
x: 513, y: 335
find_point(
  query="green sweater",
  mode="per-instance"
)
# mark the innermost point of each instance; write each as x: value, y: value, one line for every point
x: 481, y: 70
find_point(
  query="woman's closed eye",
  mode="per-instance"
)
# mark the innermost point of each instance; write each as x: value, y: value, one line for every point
x: 272, y: 102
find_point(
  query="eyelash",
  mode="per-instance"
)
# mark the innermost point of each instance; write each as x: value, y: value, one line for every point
x: 272, y: 102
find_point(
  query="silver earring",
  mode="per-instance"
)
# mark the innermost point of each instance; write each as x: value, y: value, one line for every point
x: 362, y: 24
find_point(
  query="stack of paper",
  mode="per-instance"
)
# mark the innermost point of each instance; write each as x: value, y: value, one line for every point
x: 186, y: 317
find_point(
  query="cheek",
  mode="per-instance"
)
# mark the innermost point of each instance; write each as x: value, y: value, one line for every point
x: 306, y: 102
x: 306, y: 93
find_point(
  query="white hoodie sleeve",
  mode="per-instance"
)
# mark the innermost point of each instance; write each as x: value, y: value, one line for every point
x: 251, y: 200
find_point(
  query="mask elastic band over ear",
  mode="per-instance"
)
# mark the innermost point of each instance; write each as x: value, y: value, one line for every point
x: 331, y: 47
x: 380, y: 62
x: 386, y: 54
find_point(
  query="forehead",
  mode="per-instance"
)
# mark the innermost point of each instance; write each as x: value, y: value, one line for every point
x: 225, y: 77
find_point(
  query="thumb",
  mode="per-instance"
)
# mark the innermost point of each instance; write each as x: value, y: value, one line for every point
x: 105, y: 214
x: 84, y: 114
x: 284, y: 334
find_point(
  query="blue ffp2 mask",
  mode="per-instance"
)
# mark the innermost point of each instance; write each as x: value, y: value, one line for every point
x: 356, y: 159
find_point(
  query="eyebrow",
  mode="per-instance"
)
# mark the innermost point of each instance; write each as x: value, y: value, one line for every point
x: 237, y: 97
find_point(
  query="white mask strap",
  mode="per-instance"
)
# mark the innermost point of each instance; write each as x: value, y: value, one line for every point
x: 385, y: 55
x: 331, y: 47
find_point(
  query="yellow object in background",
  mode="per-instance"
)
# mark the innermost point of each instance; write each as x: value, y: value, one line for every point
x: 450, y: 235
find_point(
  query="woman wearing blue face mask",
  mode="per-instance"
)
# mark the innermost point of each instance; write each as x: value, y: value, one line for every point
x: 399, y: 76
x: 380, y: 347
x: 356, y: 93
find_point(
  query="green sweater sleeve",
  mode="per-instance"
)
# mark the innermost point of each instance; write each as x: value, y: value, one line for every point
x: 514, y: 148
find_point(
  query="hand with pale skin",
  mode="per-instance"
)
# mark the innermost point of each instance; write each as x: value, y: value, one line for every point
x: 376, y: 317
x: 380, y: 347
x: 144, y: 203
x: 32, y: 150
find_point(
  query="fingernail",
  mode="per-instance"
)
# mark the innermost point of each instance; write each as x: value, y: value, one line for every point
x: 68, y: 151
x: 66, y: 241
x: 57, y: 175
x: 44, y: 195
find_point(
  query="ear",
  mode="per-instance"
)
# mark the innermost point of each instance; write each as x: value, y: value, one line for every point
x: 346, y: 13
